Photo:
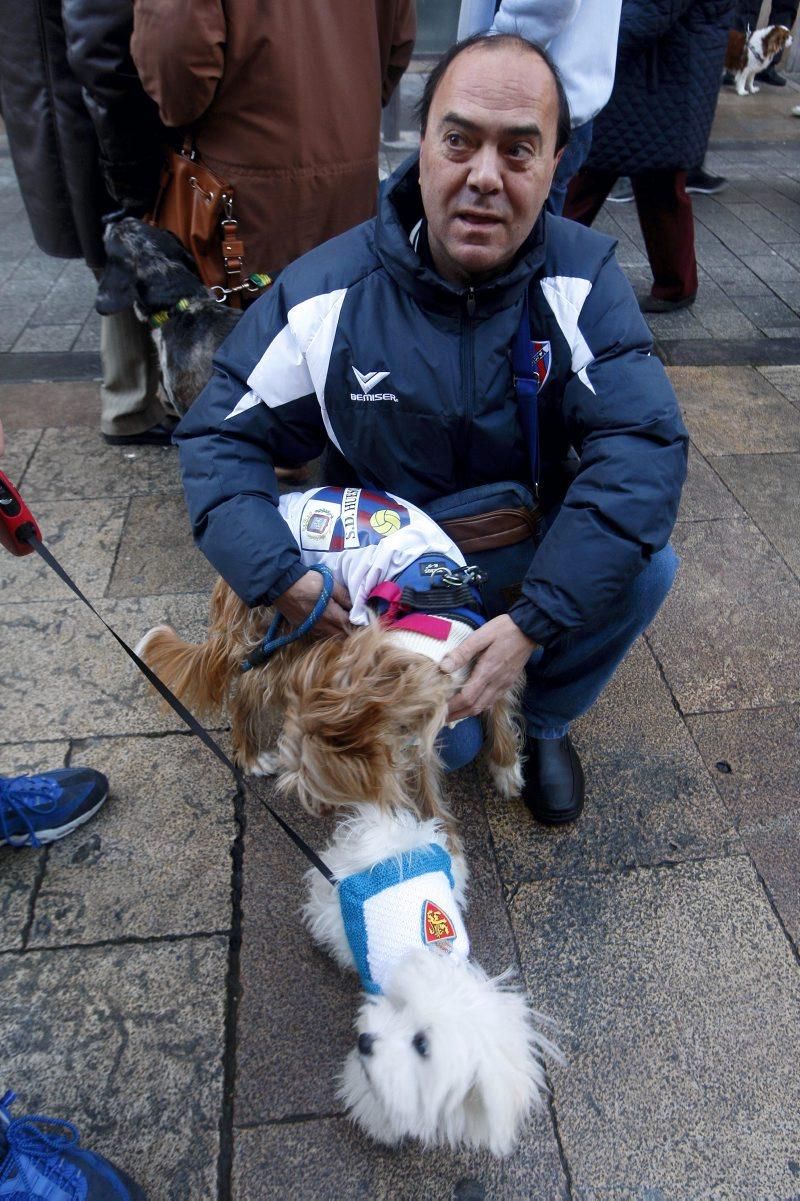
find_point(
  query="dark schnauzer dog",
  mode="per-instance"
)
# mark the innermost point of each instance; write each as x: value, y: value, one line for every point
x: 149, y: 269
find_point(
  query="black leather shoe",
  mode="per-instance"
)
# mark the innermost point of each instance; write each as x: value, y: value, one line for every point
x: 157, y: 435
x: 771, y: 76
x: 554, y: 786
x: 655, y: 304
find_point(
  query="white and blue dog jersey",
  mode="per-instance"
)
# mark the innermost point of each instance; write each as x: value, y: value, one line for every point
x: 398, y: 906
x: 364, y: 537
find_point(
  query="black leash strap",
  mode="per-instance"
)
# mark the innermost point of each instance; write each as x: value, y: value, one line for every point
x: 190, y: 720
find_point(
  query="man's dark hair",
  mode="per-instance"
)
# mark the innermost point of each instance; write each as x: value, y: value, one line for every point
x: 494, y: 41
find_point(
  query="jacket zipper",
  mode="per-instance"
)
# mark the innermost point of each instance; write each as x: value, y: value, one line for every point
x: 468, y: 377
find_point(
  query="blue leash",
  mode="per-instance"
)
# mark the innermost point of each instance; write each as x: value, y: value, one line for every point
x: 271, y: 643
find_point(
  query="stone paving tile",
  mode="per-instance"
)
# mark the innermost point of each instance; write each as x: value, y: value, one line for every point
x: 681, y: 324
x: 157, y: 553
x: 127, y: 1042
x: 782, y: 331
x: 280, y: 964
x: 63, y: 670
x: 72, y: 295
x: 768, y: 487
x: 789, y: 291
x: 734, y: 410
x: 20, y: 446
x: 49, y: 338
x: 83, y: 536
x: 60, y: 405
x: 20, y: 869
x: 771, y: 267
x: 328, y: 1159
x: 785, y: 379
x: 89, y: 337
x: 133, y: 871
x: 649, y: 797
x: 12, y: 323
x: 767, y: 311
x: 59, y: 467
x: 774, y: 845
x: 727, y: 638
x: 763, y: 222
x: 680, y: 1001
x: 737, y: 281
x: 705, y: 496
x: 727, y: 321
x: 758, y: 751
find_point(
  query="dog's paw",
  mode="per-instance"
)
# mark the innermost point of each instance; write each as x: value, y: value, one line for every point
x: 265, y: 765
x: 754, y: 88
x: 508, y: 780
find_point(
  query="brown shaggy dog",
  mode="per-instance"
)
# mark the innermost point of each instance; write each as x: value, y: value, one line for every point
x: 359, y: 714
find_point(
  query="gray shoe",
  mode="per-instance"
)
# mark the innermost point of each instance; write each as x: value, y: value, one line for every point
x: 622, y: 192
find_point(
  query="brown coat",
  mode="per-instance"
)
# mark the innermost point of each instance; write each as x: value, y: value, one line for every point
x: 284, y: 103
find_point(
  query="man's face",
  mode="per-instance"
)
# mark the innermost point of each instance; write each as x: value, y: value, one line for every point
x: 487, y: 159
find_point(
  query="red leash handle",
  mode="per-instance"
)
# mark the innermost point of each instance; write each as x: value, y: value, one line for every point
x: 18, y: 525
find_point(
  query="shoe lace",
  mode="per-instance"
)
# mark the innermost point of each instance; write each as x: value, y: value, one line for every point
x: 22, y: 796
x: 28, y: 1146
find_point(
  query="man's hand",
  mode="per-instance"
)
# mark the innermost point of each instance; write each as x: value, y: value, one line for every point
x: 296, y: 603
x: 500, y: 650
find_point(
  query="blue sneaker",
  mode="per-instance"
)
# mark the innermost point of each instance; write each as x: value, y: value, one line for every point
x: 52, y: 1166
x: 39, y: 809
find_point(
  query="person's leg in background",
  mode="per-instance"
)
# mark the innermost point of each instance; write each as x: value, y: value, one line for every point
x: 565, y: 680
x: 575, y: 154
x: 667, y: 221
x: 586, y: 194
x: 131, y: 410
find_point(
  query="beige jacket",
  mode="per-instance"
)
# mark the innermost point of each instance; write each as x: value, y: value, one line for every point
x: 284, y: 103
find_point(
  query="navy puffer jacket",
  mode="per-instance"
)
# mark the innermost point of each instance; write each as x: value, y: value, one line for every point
x: 360, y: 344
x: 669, y: 63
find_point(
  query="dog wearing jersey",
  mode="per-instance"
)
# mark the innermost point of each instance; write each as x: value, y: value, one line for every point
x: 353, y: 718
x: 444, y: 1053
x: 749, y: 54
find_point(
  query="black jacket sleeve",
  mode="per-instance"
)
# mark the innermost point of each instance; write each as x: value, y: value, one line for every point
x: 129, y: 131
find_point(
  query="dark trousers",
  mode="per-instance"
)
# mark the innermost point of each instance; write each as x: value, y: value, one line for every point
x: 782, y: 12
x: 665, y: 215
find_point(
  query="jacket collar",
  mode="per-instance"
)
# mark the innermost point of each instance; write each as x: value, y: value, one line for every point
x: 399, y: 215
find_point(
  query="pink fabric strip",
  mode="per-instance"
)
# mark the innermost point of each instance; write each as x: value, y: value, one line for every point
x: 391, y: 593
x: 425, y: 623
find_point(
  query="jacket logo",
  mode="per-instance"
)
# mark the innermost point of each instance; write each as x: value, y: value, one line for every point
x: 369, y: 380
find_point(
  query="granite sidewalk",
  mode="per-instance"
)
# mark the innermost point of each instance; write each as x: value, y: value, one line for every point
x: 157, y: 986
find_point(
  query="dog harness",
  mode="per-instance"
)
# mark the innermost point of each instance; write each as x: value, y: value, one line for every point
x: 400, y: 905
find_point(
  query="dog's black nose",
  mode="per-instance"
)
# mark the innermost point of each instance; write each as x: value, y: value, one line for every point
x: 365, y: 1043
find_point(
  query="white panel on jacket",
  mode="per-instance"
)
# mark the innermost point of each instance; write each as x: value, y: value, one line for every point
x: 566, y: 295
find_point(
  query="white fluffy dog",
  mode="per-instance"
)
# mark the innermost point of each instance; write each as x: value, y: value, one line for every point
x: 445, y: 1054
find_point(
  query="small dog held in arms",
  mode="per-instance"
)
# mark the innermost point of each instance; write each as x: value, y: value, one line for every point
x: 444, y: 1053
x: 359, y: 715
x: 749, y: 54
x: 149, y: 269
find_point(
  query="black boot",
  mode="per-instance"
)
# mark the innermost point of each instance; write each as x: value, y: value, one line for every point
x: 554, y: 786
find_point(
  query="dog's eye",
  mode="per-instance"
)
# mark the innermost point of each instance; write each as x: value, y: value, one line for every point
x: 420, y: 1044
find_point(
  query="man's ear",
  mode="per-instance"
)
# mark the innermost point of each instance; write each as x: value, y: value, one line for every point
x: 117, y: 288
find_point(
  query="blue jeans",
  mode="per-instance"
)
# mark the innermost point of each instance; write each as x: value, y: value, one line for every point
x: 573, y: 158
x: 566, y: 677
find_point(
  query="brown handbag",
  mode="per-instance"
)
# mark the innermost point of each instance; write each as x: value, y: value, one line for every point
x: 197, y: 206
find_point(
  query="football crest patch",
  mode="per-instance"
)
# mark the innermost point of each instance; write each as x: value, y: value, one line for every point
x: 337, y: 519
x: 541, y: 360
x: 436, y: 925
